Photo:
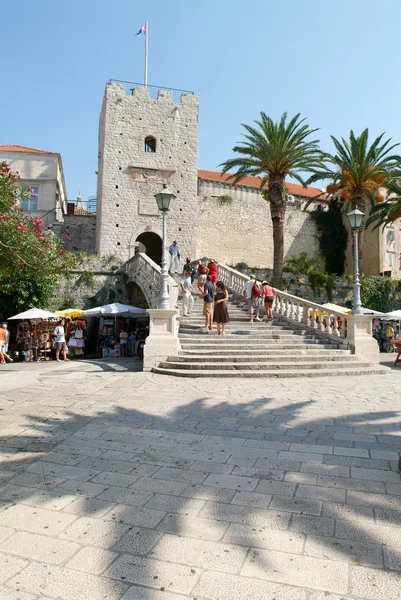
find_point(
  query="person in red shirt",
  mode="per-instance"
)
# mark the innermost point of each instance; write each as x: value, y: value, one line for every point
x: 213, y: 268
x: 268, y: 297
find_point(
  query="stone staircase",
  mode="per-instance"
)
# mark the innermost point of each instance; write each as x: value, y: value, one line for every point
x: 258, y: 350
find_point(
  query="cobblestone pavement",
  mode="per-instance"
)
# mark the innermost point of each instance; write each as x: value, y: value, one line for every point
x: 117, y: 484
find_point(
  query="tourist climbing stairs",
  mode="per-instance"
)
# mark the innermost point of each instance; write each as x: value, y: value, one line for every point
x: 259, y: 349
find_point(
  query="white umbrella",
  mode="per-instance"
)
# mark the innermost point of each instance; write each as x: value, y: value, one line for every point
x: 394, y: 314
x: 115, y: 309
x: 35, y: 313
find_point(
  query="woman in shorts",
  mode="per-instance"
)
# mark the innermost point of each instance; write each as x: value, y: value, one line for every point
x: 268, y: 297
x: 202, y: 272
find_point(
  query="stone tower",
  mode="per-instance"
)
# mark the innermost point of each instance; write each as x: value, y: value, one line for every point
x: 143, y: 143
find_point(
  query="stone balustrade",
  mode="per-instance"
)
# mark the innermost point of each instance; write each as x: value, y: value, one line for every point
x: 297, y: 310
x: 349, y: 331
x: 146, y: 274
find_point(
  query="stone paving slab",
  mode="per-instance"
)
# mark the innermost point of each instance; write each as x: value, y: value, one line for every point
x: 141, y: 487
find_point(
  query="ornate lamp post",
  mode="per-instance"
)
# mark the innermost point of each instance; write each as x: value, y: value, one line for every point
x: 355, y: 218
x: 164, y: 200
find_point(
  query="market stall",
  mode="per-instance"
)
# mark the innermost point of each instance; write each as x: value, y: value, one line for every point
x: 122, y: 329
x: 34, y: 334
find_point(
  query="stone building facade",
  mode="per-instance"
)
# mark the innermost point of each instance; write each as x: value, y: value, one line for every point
x: 42, y: 172
x: 145, y: 142
x: 234, y: 222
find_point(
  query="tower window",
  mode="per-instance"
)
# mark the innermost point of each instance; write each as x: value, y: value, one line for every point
x: 150, y: 144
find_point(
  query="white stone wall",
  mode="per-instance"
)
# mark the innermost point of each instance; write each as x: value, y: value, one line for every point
x: 241, y: 230
x: 128, y: 177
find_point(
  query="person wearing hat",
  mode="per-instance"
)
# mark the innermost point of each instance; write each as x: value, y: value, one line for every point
x: 252, y: 298
x: 268, y: 297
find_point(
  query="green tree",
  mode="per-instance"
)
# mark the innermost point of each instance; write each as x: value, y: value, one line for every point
x: 333, y: 239
x: 358, y: 170
x: 274, y: 151
x: 32, y: 262
x: 386, y: 212
x: 301, y: 264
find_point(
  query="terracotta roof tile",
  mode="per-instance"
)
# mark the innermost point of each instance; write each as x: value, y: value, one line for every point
x: 293, y: 188
x: 15, y: 148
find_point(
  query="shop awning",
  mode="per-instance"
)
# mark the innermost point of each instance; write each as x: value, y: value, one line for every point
x: 35, y: 313
x: 116, y: 309
x: 70, y: 312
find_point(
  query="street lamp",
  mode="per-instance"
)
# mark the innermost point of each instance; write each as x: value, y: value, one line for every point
x: 355, y: 218
x: 164, y: 200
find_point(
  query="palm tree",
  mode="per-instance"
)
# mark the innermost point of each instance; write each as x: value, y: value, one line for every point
x: 274, y: 151
x: 357, y: 170
x: 385, y: 213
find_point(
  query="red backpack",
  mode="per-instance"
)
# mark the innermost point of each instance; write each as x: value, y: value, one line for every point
x: 256, y: 291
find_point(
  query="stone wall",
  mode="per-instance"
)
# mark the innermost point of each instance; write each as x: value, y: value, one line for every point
x: 95, y: 281
x: 241, y: 230
x: 78, y: 233
x: 128, y: 176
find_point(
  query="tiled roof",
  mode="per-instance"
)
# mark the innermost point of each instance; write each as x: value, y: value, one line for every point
x: 293, y: 188
x: 15, y: 148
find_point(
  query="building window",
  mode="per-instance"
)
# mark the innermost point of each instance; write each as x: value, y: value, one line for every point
x: 390, y: 258
x: 32, y: 202
x: 150, y: 144
x: 390, y: 236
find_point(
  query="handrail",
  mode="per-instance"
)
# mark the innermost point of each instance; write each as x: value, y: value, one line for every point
x: 304, y: 312
x: 146, y: 273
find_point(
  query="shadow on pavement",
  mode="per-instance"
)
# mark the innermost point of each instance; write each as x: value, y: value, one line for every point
x: 209, y: 486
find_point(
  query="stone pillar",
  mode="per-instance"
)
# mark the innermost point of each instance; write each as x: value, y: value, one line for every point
x: 163, y: 337
x: 359, y: 337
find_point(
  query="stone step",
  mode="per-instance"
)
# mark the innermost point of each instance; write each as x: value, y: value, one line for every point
x: 206, y: 359
x: 259, y: 366
x: 323, y: 372
x: 257, y: 339
x: 257, y: 345
x: 289, y: 353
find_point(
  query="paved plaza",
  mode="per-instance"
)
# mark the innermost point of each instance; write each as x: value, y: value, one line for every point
x: 118, y: 484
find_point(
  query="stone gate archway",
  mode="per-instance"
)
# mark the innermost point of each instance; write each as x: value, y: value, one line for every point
x: 150, y: 244
x: 135, y: 295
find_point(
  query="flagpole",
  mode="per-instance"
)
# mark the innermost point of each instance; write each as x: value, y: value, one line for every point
x: 146, y: 53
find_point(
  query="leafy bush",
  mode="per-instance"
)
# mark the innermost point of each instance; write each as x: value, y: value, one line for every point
x: 87, y: 278
x: 379, y: 293
x: 333, y: 237
x: 302, y: 264
x: 32, y: 261
x: 321, y: 279
x: 241, y: 266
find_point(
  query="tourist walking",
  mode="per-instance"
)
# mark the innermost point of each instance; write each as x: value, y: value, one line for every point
x: 268, y: 297
x: 208, y: 301
x: 252, y: 294
x: 4, y: 339
x: 123, y: 342
x: 187, y: 266
x: 187, y: 298
x: 201, y: 272
x: 59, y: 340
x: 175, y: 257
x: 220, y: 313
x: 213, y: 270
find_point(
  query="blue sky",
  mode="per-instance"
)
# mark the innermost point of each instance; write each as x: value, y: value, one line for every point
x: 335, y: 61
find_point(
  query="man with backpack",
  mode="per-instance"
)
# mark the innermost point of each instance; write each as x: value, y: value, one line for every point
x: 252, y: 294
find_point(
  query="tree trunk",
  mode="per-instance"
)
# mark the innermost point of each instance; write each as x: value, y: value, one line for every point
x: 277, y: 209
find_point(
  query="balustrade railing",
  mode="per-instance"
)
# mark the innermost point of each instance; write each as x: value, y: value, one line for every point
x: 298, y: 310
x: 306, y: 314
x: 146, y: 273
